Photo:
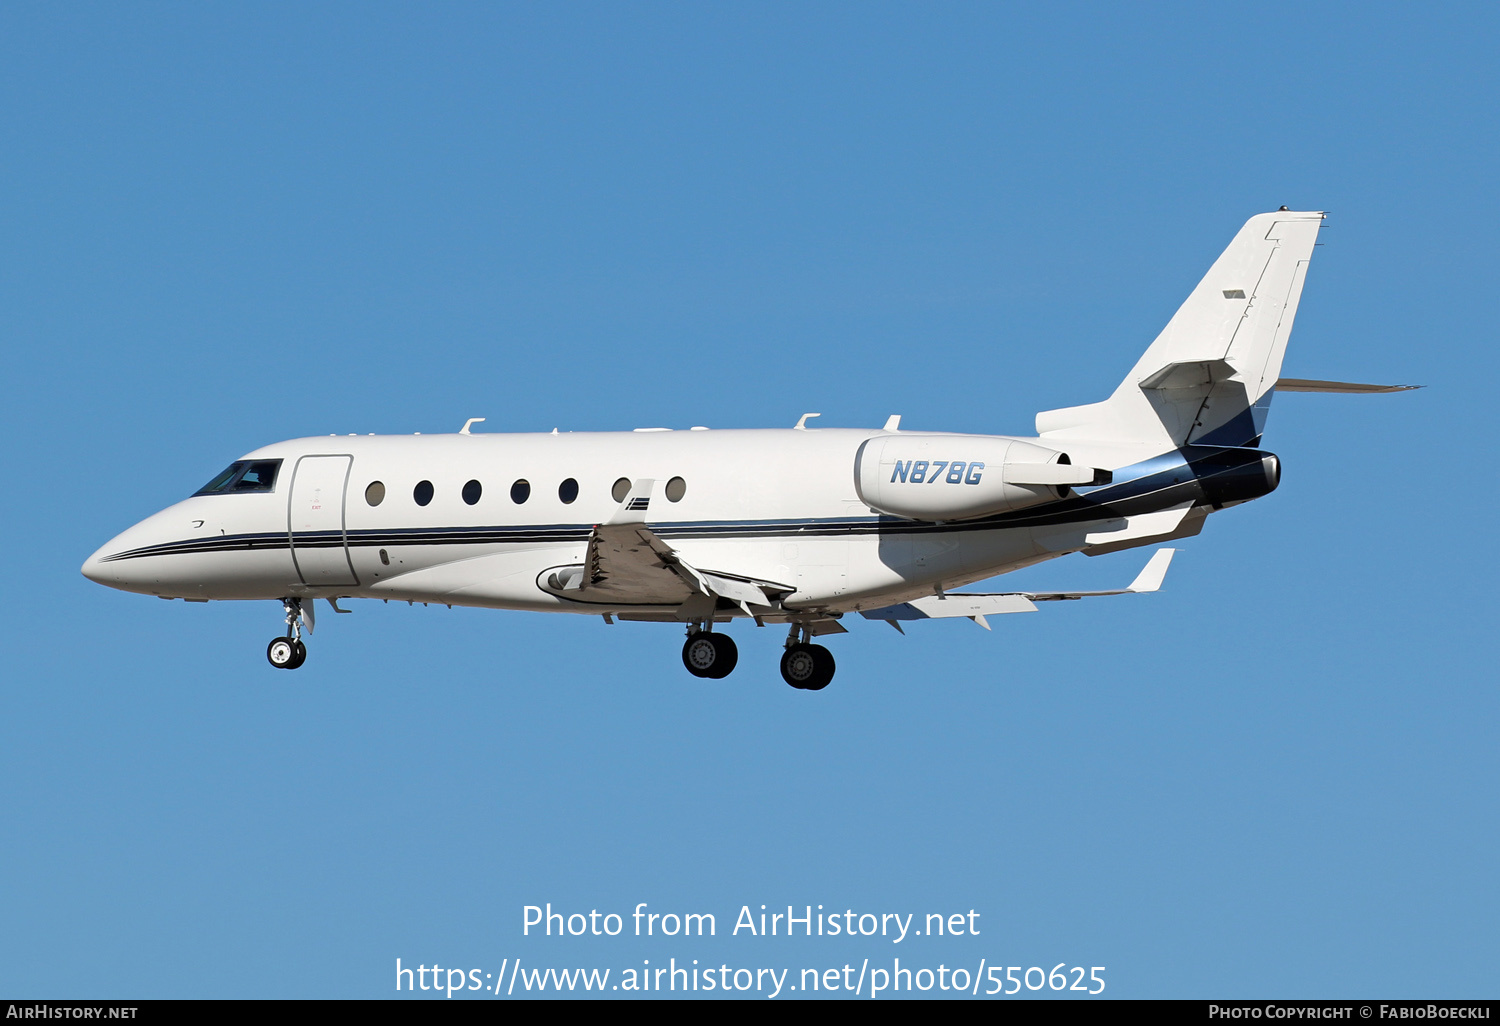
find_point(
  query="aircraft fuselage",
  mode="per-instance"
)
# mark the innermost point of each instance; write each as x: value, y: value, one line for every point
x: 344, y: 517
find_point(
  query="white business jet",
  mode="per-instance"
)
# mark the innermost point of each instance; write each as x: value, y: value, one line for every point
x: 798, y: 527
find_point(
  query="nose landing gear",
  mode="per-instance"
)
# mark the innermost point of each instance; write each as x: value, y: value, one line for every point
x: 286, y: 653
x: 289, y: 652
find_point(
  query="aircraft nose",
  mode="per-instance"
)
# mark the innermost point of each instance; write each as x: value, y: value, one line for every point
x: 112, y: 573
x: 107, y: 567
x: 93, y: 568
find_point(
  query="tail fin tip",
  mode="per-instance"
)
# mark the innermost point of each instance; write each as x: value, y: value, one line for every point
x: 1208, y: 377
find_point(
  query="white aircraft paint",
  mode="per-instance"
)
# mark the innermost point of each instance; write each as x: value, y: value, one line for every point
x: 798, y: 526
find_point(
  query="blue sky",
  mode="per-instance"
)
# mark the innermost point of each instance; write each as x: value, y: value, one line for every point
x: 231, y: 225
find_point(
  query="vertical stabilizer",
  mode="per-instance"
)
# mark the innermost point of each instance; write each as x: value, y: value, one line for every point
x: 1209, y: 376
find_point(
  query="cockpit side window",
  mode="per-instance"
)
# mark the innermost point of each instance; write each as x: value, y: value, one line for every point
x: 243, y: 476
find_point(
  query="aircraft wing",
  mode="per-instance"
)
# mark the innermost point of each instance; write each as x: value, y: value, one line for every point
x: 628, y: 563
x: 976, y: 606
x: 1149, y: 579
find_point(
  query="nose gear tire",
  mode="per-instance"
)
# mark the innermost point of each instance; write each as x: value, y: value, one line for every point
x: 282, y: 653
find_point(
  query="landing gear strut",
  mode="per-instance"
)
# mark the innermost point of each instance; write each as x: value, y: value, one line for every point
x: 289, y: 652
x: 706, y: 654
x: 806, y: 666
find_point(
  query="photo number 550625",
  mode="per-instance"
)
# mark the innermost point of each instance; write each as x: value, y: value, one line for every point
x: 1011, y: 979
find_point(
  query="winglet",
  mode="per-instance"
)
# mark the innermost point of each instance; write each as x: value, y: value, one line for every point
x: 1155, y: 571
x: 633, y: 509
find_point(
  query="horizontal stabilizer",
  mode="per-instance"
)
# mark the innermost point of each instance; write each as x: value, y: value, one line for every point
x: 1341, y: 387
x: 1189, y: 375
x: 977, y: 606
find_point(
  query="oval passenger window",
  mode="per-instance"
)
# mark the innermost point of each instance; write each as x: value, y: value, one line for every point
x: 676, y: 489
x: 375, y: 493
x: 422, y: 493
x: 621, y: 489
x: 520, y: 491
x: 568, y: 490
x: 472, y: 491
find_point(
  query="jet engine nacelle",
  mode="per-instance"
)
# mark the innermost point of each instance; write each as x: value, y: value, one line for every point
x: 958, y: 477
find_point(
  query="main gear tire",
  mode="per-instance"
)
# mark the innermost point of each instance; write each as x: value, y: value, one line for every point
x: 710, y: 655
x: 807, y: 667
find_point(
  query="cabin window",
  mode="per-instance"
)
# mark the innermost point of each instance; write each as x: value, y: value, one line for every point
x: 243, y: 476
x: 568, y: 490
x: 520, y: 491
x: 422, y: 493
x: 472, y: 491
x: 676, y: 489
x: 621, y: 489
x: 375, y: 493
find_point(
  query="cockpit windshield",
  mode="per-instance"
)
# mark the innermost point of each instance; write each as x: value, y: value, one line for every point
x: 243, y: 476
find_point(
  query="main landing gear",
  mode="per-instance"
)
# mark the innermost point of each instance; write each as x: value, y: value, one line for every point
x: 289, y: 652
x: 804, y: 666
x: 706, y: 654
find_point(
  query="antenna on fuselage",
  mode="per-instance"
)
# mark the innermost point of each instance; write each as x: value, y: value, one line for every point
x: 802, y: 424
x: 470, y: 423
